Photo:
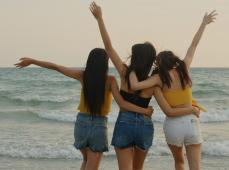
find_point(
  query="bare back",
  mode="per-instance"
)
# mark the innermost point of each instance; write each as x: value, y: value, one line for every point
x: 175, y: 85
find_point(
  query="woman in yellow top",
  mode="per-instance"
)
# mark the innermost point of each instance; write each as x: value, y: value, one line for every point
x: 95, y: 102
x: 175, y: 85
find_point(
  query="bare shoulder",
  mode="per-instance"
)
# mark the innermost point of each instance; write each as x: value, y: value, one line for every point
x: 156, y: 77
x: 79, y: 75
x: 80, y: 72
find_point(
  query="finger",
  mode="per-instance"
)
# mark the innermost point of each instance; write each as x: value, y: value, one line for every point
x: 211, y: 22
x: 94, y: 4
x: 91, y: 10
x: 212, y: 15
x: 212, y: 12
x: 91, y: 7
x: 16, y: 64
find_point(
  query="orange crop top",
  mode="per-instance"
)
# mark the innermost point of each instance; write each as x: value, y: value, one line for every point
x: 106, y: 106
x: 180, y: 96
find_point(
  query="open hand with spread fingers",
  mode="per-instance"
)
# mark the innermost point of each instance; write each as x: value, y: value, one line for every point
x: 96, y: 10
x: 209, y: 18
x: 24, y: 62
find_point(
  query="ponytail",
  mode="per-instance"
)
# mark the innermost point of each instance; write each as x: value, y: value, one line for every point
x: 183, y: 73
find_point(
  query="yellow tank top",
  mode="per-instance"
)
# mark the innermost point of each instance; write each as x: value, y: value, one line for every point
x: 105, y: 108
x: 180, y: 96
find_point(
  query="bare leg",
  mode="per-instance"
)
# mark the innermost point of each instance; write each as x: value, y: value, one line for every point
x: 139, y: 158
x: 84, y: 153
x: 93, y: 160
x: 125, y: 158
x: 194, y: 156
x: 178, y: 156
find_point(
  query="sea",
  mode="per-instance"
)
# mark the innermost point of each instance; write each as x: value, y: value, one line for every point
x: 38, y: 108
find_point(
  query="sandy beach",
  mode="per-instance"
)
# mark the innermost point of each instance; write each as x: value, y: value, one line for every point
x: 108, y: 163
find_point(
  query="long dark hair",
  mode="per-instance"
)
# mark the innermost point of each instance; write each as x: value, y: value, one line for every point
x: 94, y: 80
x: 142, y: 59
x: 167, y: 60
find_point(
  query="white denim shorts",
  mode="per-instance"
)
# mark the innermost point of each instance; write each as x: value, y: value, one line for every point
x: 183, y: 130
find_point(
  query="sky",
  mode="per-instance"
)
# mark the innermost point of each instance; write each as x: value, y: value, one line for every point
x: 64, y: 31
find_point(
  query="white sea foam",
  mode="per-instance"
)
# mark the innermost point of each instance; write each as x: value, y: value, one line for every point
x: 65, y: 116
x: 69, y: 152
x: 219, y: 148
x: 38, y: 98
x: 212, y: 115
x: 70, y: 114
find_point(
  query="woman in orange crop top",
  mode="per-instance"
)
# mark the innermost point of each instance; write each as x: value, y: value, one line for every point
x: 95, y: 102
x: 172, y: 79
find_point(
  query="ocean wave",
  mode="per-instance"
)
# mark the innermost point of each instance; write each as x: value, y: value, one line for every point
x: 209, y: 93
x: 219, y: 148
x: 69, y: 115
x: 213, y: 148
x: 67, y: 152
x: 213, y: 115
x: 36, y: 99
x: 55, y: 115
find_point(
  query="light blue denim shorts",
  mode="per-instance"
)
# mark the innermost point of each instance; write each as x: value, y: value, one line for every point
x: 91, y: 132
x: 133, y: 130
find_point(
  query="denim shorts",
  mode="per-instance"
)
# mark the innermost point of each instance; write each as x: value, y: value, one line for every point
x: 133, y: 130
x: 91, y: 132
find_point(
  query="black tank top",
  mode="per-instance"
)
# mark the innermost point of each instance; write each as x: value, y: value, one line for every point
x: 135, y: 99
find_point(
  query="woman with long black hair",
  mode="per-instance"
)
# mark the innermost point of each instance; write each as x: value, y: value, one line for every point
x: 133, y: 133
x: 95, y: 102
x: 172, y: 77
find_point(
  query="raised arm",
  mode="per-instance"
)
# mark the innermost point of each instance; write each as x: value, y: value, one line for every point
x: 208, y: 18
x: 139, y: 85
x: 116, y: 60
x: 127, y: 105
x: 173, y: 112
x: 76, y: 74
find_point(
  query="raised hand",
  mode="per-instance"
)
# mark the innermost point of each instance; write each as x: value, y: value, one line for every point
x: 96, y: 10
x: 24, y: 62
x: 209, y: 18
